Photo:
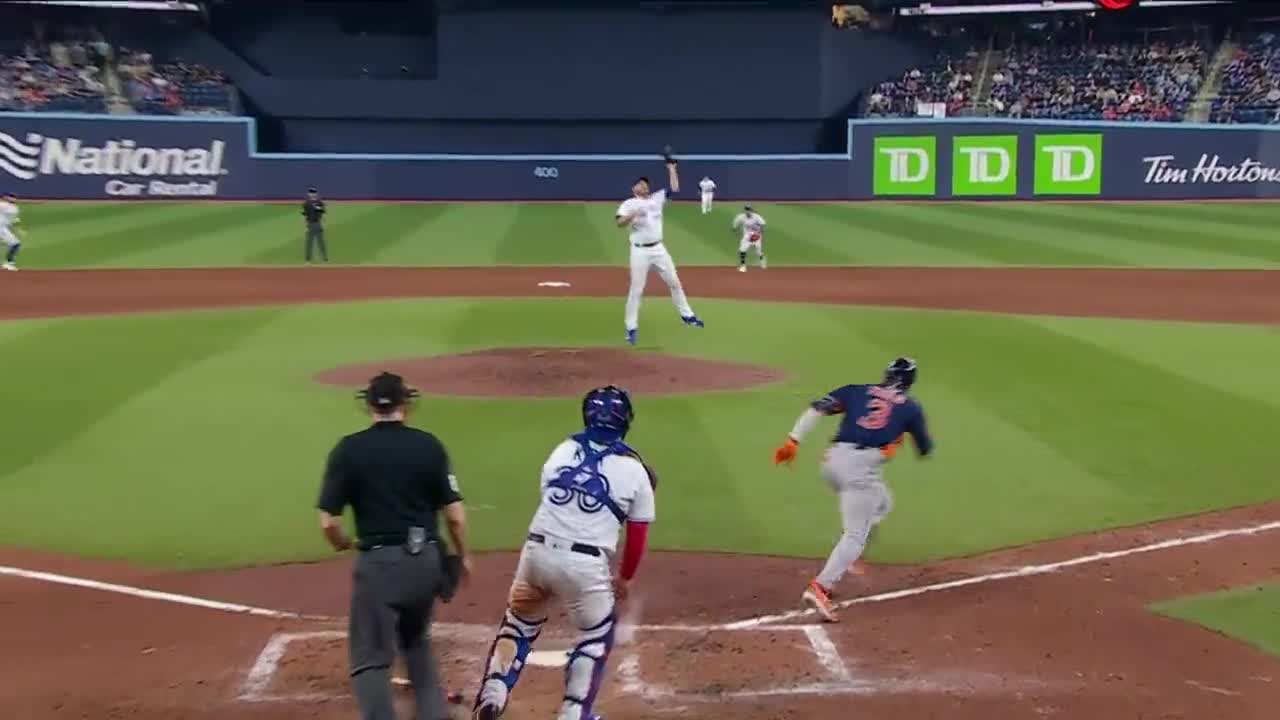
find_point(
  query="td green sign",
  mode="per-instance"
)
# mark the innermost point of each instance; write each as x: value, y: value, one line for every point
x: 905, y: 166
x: 984, y: 165
x: 1068, y: 164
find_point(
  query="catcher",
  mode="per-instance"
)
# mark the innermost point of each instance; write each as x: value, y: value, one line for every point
x: 875, y: 420
x: 593, y: 485
x: 751, y: 226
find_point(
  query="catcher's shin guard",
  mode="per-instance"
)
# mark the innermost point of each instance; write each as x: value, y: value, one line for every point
x: 584, y: 672
x: 506, y: 659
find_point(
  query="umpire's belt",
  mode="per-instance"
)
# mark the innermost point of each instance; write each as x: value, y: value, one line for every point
x: 591, y: 550
x: 380, y: 541
x: 646, y: 245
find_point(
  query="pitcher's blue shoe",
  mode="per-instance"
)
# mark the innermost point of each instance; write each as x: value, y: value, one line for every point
x: 631, y: 337
x: 693, y: 321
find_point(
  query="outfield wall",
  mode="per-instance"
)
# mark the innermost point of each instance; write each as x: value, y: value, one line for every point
x: 50, y: 156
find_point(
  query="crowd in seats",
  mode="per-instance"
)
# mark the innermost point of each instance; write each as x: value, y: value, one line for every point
x: 1250, y: 88
x: 1153, y: 81
x: 65, y: 72
x: 52, y: 68
x: 173, y: 87
x: 948, y: 81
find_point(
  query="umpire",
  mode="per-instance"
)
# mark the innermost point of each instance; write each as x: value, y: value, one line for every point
x: 396, y: 479
x: 313, y: 211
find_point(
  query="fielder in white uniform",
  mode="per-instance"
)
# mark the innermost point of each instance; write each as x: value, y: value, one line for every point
x: 9, y: 230
x: 750, y: 225
x: 708, y: 188
x: 592, y: 484
x: 642, y: 214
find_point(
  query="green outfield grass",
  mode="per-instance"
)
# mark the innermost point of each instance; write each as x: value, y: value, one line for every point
x: 197, y: 439
x: 1251, y: 615
x: 1227, y: 235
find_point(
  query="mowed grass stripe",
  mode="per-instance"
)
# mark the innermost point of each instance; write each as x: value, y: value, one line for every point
x: 1124, y: 244
x: 228, y: 245
x: 867, y: 242
x: 550, y: 234
x: 54, y: 355
x: 422, y: 241
x: 962, y: 229
x: 1182, y: 232
x: 156, y: 229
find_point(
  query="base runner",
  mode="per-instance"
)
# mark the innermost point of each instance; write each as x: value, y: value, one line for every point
x: 750, y: 225
x: 642, y: 213
x: 875, y: 419
x: 708, y: 188
x: 592, y: 485
x: 9, y: 234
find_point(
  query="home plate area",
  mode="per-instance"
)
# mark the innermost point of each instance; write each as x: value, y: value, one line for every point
x: 661, y: 668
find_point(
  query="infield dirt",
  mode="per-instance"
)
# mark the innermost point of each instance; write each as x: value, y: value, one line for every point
x: 1073, y: 643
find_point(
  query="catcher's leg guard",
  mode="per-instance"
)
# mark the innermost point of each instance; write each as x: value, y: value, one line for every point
x: 584, y: 673
x: 506, y: 659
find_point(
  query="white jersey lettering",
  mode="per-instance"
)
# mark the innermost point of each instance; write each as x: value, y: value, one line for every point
x: 575, y: 516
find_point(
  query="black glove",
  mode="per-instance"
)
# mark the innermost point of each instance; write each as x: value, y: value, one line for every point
x: 667, y: 155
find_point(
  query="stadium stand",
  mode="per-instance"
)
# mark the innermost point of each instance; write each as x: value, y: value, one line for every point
x: 1133, y: 80
x: 54, y: 61
x: 1250, y: 90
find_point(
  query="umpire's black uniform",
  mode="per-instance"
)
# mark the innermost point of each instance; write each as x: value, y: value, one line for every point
x: 396, y: 479
x: 313, y: 211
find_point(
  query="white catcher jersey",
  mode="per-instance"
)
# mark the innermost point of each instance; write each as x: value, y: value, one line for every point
x: 647, y: 226
x: 749, y: 223
x: 707, y: 186
x: 8, y: 215
x: 577, y: 517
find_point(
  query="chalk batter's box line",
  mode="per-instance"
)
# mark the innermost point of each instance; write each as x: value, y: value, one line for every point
x: 267, y: 664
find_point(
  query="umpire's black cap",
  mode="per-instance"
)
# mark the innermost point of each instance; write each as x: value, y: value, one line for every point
x: 387, y: 391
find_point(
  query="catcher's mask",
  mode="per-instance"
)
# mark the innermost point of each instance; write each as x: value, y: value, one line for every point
x: 901, y: 373
x: 608, y: 408
x: 386, y: 393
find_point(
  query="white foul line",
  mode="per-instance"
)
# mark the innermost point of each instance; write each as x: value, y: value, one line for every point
x: 155, y: 594
x: 752, y: 623
x: 1025, y: 571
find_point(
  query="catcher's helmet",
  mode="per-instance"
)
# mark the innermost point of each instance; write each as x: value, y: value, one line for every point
x: 608, y: 408
x: 901, y: 373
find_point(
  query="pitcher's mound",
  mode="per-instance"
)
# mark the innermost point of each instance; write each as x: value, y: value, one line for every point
x: 558, y: 372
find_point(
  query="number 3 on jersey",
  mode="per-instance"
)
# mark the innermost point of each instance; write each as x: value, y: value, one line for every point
x: 878, y: 412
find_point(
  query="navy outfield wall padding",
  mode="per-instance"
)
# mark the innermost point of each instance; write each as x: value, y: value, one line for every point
x: 52, y: 156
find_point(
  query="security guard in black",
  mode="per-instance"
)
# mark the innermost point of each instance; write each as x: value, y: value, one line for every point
x: 396, y: 480
x: 313, y: 211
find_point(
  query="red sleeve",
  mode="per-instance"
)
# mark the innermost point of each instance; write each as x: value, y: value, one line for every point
x: 637, y: 538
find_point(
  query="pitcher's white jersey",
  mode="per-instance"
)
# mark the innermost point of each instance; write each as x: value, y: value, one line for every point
x: 707, y: 186
x: 647, y: 226
x: 8, y: 215
x: 575, y: 516
x: 749, y: 224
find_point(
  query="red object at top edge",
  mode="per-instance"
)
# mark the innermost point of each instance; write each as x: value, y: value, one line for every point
x: 1116, y: 4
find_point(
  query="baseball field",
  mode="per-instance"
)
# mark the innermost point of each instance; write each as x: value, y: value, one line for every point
x: 1098, y: 535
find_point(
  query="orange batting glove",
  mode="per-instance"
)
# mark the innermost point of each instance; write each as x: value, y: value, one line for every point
x: 888, y: 451
x: 785, y: 454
